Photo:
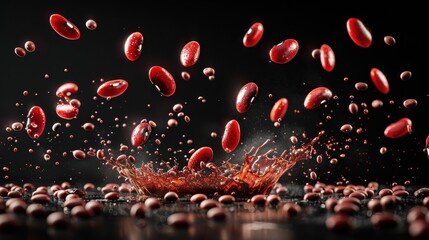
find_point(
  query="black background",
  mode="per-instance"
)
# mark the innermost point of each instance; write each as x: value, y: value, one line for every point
x: 219, y: 30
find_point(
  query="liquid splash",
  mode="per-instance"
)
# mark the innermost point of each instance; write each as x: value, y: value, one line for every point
x: 258, y: 174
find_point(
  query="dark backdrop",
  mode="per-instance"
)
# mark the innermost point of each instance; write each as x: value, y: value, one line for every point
x: 219, y: 30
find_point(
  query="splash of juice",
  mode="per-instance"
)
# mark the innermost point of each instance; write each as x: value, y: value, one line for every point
x: 258, y: 174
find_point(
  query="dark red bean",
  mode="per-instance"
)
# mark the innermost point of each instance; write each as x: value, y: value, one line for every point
x: 317, y: 97
x: 359, y: 33
x: 385, y: 220
x: 385, y: 191
x: 253, y: 35
x: 426, y: 201
x: 405, y: 75
x: 80, y: 212
x: 36, y: 121
x: 209, y: 203
x: 308, y: 188
x: 401, y: 193
x: 226, y: 199
x: 162, y: 80
x: 327, y: 57
x: 311, y: 196
x: 91, y: 24
x: 36, y: 210
x: 416, y: 213
x: 291, y: 209
x: 282, y: 191
x: 20, y: 52
x: 258, y: 199
x: 112, y: 88
x: 79, y: 154
x: 112, y: 196
x: 279, y: 109
x: 410, y: 103
x: 57, y: 220
x: 216, y: 213
x: 421, y: 192
x: 389, y: 40
x: 346, y: 208
x: 284, y: 52
x: 330, y: 203
x: 17, y: 205
x: 171, y: 197
x: 152, y: 203
x: 358, y: 195
x: 133, y: 46
x: 73, y: 202
x: 41, y: 198
x: 379, y: 80
x: 30, y: 46
x: 339, y: 223
x: 94, y: 207
x: 190, y: 54
x: 138, y: 210
x: 231, y: 136
x: 66, y: 111
x: 361, y: 86
x: 203, y: 154
x: 198, y: 198
x: 398, y: 129
x: 89, y: 186
x: 273, y: 200
x: 8, y: 222
x: 14, y: 194
x: 339, y: 189
x: 388, y: 202
x: 180, y: 220
x: 419, y: 230
x: 374, y: 205
x: 246, y: 96
x: 353, y: 200
x: 64, y: 27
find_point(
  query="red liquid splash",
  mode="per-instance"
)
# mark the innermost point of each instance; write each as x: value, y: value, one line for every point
x: 257, y: 175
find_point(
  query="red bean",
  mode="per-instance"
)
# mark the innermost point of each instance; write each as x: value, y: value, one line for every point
x: 258, y: 199
x: 152, y: 203
x: 41, y: 198
x: 20, y: 52
x: 421, y: 192
x: 389, y: 40
x: 141, y: 134
x: 186, y: 76
x: 178, y: 220
x: 67, y: 89
x: 361, y: 86
x: 246, y: 96
x: 203, y: 154
x: 79, y: 154
x: 317, y: 97
x: 57, y: 220
x: 279, y: 109
x: 399, y: 128
x: 198, y: 198
x: 353, y: 108
x: 339, y: 223
x: 17, y: 126
x: 89, y: 127
x: 405, y: 75
x: 133, y: 46
x: 346, y: 128
x: 330, y: 203
x: 95, y: 207
x: 190, y: 54
x: 359, y: 33
x: 291, y: 209
x: 216, y: 213
x: 91, y: 24
x: 226, y: 199
x: 36, y: 121
x: 231, y: 136
x: 419, y: 230
x: 253, y: 35
x: 273, y: 200
x: 30, y: 46
x: 284, y: 52
x: 385, y: 220
x: 171, y: 197
x: 112, y: 196
x: 66, y: 111
x: 327, y: 57
x: 162, y: 80
x: 410, y: 103
x: 112, y: 88
x: 8, y: 221
x: 311, y: 196
x: 379, y: 80
x: 64, y: 27
x: 36, y: 210
x: 138, y: 210
x: 209, y: 203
